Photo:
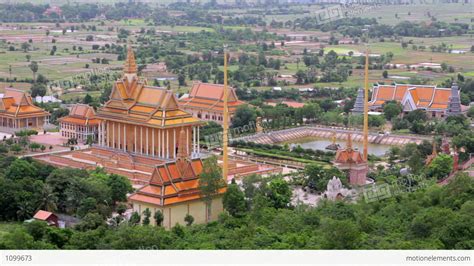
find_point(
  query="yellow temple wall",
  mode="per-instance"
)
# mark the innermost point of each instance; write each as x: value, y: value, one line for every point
x: 174, y: 214
x: 158, y: 141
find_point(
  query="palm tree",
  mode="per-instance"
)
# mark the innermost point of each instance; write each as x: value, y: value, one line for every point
x: 34, y: 69
x: 47, y: 200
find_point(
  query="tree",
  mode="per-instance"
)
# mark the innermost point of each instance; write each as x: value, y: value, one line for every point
x: 134, y: 219
x: 391, y: 110
x: 90, y: 222
x: 25, y: 47
x: 38, y: 89
x: 34, y: 146
x: 158, y: 216
x: 146, y: 216
x: 189, y: 219
x: 87, y: 99
x: 385, y: 74
x: 210, y: 181
x: 340, y: 234
x: 20, y: 169
x: 119, y: 187
x: 440, y: 167
x: 244, y: 116
x: 34, y: 68
x: 279, y: 193
x: 234, y: 200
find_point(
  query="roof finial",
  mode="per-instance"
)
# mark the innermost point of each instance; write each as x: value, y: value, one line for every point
x: 349, y: 142
x: 130, y: 66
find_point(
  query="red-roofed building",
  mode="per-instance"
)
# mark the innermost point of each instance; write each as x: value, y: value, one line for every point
x: 17, y: 112
x: 352, y: 161
x: 80, y: 123
x: 48, y: 217
x: 412, y: 97
x: 206, y: 102
x: 174, y: 190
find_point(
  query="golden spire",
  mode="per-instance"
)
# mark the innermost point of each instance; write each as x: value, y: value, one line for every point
x: 349, y: 142
x: 225, y: 164
x: 366, y: 106
x: 130, y: 66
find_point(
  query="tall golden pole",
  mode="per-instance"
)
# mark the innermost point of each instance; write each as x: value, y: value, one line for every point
x: 225, y: 165
x: 366, y: 106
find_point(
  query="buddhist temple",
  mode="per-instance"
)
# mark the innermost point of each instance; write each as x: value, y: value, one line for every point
x: 17, y: 112
x: 143, y: 119
x: 174, y: 190
x: 413, y: 97
x: 205, y: 101
x: 81, y: 123
x: 352, y: 161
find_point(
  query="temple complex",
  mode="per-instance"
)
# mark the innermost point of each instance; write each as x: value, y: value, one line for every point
x: 438, y: 102
x: 205, y: 101
x: 17, y: 112
x: 81, y: 124
x: 174, y: 190
x: 352, y: 161
x: 143, y: 119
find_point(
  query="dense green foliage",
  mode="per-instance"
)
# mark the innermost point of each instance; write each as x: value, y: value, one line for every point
x: 435, y: 218
x: 27, y: 186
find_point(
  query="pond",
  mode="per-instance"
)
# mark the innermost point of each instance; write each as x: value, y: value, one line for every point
x: 321, y: 144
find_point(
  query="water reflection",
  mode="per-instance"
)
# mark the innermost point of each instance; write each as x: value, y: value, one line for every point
x: 321, y: 144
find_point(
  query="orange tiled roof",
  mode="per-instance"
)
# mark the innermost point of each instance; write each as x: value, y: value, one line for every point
x: 134, y: 101
x: 179, y: 180
x: 81, y: 114
x: 423, y: 96
x: 210, y: 97
x: 42, y: 215
x: 17, y: 103
x: 349, y: 156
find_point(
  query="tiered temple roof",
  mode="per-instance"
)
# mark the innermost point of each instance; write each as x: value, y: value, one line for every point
x: 210, y: 97
x: 173, y: 182
x: 348, y: 155
x: 134, y: 101
x: 81, y: 114
x: 412, y: 97
x: 18, y: 104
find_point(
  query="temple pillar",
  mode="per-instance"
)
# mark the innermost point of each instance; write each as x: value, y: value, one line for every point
x: 135, y: 138
x: 162, y: 143
x: 198, y: 142
x: 187, y: 141
x: 147, y: 146
x: 141, y: 140
x: 174, y: 143
x: 159, y: 143
x: 167, y: 144
x: 125, y: 137
x: 113, y: 136
x: 194, y: 142
x: 153, y: 141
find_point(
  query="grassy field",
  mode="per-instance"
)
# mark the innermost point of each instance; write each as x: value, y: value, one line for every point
x: 447, y: 12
